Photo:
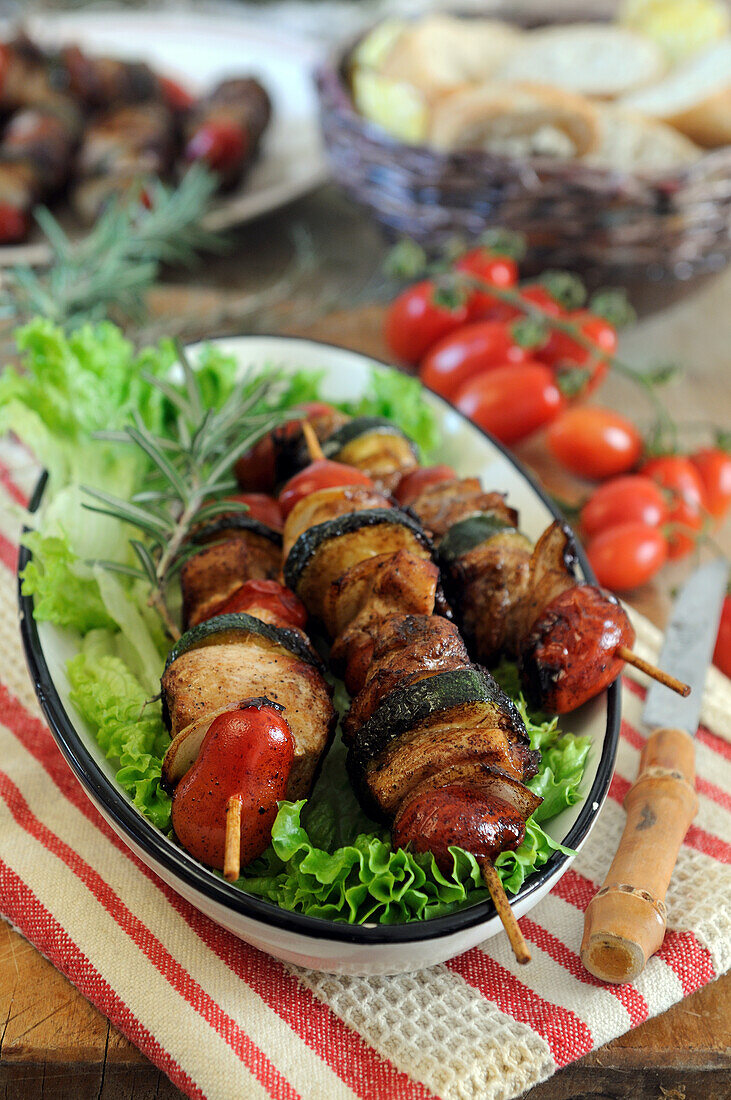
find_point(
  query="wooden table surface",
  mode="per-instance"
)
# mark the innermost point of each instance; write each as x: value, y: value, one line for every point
x: 53, y: 1044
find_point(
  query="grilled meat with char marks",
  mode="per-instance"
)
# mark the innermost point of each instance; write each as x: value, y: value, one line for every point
x: 215, y: 572
x: 440, y: 506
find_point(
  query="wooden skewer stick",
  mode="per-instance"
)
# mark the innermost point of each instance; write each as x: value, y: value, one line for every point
x: 653, y: 671
x: 506, y: 914
x: 314, y: 449
x: 232, y: 850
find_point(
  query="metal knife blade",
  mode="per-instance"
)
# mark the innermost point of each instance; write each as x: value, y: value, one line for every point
x: 687, y: 648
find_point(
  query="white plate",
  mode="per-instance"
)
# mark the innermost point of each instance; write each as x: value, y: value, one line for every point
x: 200, y: 50
x: 308, y: 941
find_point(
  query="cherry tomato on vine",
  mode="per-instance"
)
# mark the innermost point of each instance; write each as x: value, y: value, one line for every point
x: 535, y: 294
x: 498, y: 271
x: 263, y: 508
x: 415, y: 321
x: 511, y: 402
x: 470, y: 350
x: 321, y: 474
x: 628, y: 555
x: 714, y: 469
x: 684, y: 492
x: 594, y: 442
x: 632, y: 498
x: 722, y: 652
x: 563, y: 351
x: 422, y: 477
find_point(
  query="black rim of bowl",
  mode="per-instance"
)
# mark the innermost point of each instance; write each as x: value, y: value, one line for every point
x: 174, y: 860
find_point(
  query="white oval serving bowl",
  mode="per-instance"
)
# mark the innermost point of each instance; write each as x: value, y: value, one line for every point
x: 309, y: 941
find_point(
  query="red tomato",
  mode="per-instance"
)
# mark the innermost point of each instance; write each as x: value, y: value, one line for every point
x: 534, y: 293
x: 220, y: 143
x: 414, y: 322
x: 470, y: 350
x: 175, y: 95
x: 624, y: 499
x: 714, y: 468
x: 265, y: 595
x: 256, y: 469
x: 14, y: 223
x: 594, y: 442
x: 562, y: 350
x: 679, y: 477
x: 498, y: 271
x: 722, y: 652
x: 321, y: 474
x: 628, y: 555
x: 511, y: 402
x: 415, y: 481
x: 262, y: 507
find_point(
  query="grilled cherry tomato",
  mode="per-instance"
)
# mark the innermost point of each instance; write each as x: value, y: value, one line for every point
x: 722, y: 652
x: 594, y: 442
x: 175, y: 95
x: 633, y: 498
x: 511, y: 402
x: 268, y: 596
x: 415, y: 481
x: 498, y: 271
x: 14, y: 223
x: 469, y: 351
x: 627, y: 555
x: 414, y: 322
x: 321, y: 474
x: 248, y: 754
x: 563, y: 352
x: 256, y: 469
x: 262, y: 507
x: 684, y: 488
x: 714, y: 468
x: 220, y: 143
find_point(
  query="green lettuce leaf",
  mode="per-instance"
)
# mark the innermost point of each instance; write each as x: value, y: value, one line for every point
x: 65, y: 590
x: 400, y: 398
x: 126, y: 724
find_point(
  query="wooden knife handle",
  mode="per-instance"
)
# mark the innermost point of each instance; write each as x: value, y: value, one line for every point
x: 625, y: 922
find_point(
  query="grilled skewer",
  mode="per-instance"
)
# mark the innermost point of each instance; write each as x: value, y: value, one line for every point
x: 225, y: 128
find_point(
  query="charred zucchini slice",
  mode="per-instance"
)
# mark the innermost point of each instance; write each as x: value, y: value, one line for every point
x: 326, y: 551
x: 235, y: 521
x: 360, y: 426
x: 438, y: 701
x: 471, y: 532
x: 227, y: 628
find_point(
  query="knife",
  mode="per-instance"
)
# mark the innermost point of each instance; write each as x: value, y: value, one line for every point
x: 625, y: 922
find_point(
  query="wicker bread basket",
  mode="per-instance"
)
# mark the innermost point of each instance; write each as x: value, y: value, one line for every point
x: 612, y: 226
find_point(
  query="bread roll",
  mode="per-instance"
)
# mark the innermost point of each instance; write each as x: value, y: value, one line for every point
x: 695, y: 98
x: 441, y: 52
x: 520, y: 120
x: 594, y: 59
x: 630, y: 142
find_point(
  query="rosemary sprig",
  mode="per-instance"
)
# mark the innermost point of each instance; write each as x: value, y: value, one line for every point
x: 109, y: 270
x: 190, y: 476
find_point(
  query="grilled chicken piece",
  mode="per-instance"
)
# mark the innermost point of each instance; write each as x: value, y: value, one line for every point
x: 366, y: 595
x: 440, y: 506
x: 44, y: 138
x: 214, y: 573
x: 202, y: 680
x: 120, y: 151
x: 326, y: 504
x: 479, y: 733
x: 100, y: 82
x: 407, y: 648
x: 30, y: 78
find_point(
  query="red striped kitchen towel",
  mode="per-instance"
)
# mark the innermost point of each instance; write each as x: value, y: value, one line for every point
x: 222, y: 1019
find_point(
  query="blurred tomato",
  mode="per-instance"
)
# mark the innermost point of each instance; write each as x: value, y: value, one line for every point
x: 470, y: 350
x: 684, y: 492
x: 263, y: 508
x: 621, y: 500
x: 511, y: 402
x: 714, y: 469
x: 220, y: 143
x: 628, y: 555
x: 564, y: 352
x: 594, y: 442
x: 175, y: 95
x: 534, y: 294
x: 498, y: 271
x: 415, y: 321
x: 722, y: 652
x: 14, y: 223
